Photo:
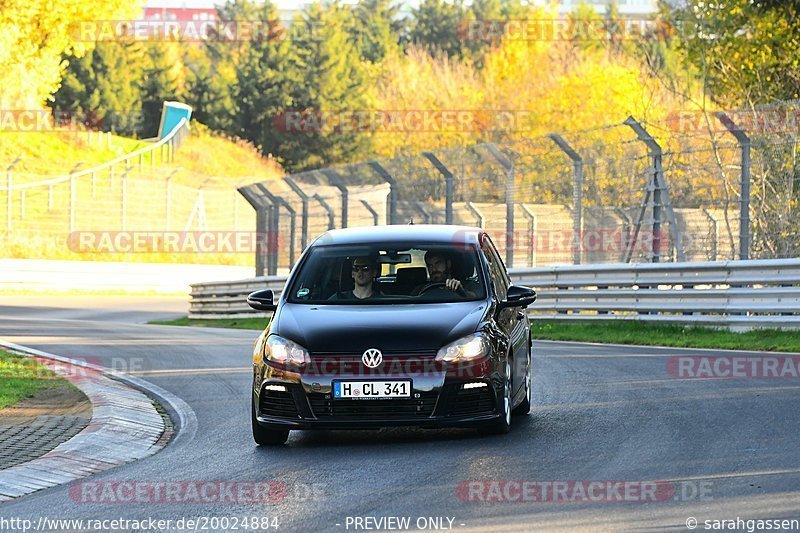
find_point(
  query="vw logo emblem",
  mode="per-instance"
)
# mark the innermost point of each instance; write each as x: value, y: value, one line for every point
x: 372, y: 358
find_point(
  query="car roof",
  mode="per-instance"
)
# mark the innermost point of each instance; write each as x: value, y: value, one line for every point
x: 427, y: 233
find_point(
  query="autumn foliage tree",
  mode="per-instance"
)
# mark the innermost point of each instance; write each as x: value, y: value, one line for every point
x: 36, y: 34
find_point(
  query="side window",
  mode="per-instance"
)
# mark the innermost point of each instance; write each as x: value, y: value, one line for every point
x: 500, y: 264
x: 496, y: 269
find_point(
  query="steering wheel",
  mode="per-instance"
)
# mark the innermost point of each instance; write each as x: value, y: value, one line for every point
x: 439, y: 285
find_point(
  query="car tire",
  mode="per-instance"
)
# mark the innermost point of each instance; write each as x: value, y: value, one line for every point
x: 502, y: 424
x: 266, y: 436
x: 525, y: 406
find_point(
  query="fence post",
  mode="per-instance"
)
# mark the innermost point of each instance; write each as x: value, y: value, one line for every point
x: 577, y: 196
x: 744, y: 184
x: 448, y: 185
x: 714, y: 233
x: 375, y: 217
x: 531, y: 234
x: 72, y: 196
x: 304, y: 213
x: 274, y: 229
x: 235, y: 212
x: 388, y: 178
x: 9, y: 202
x: 627, y: 231
x: 426, y: 216
x: 168, y: 198
x: 478, y: 215
x: 277, y: 202
x: 660, y: 194
x: 124, y: 206
x: 9, y: 192
x: 292, y: 230
x: 336, y: 181
x: 327, y: 208
x: 262, y: 222
x: 511, y: 188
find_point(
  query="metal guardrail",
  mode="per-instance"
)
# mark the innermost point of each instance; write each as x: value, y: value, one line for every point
x: 739, y: 294
x: 227, y: 299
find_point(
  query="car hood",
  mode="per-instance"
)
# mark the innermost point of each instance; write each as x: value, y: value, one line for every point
x: 390, y: 328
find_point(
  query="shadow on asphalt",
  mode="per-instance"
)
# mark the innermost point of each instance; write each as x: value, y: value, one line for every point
x: 398, y: 435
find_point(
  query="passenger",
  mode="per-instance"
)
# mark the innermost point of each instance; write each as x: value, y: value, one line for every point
x: 364, y: 272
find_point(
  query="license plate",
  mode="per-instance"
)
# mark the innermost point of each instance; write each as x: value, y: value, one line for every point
x: 371, y: 390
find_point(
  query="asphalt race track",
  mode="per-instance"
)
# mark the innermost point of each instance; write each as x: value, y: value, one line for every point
x: 728, y: 448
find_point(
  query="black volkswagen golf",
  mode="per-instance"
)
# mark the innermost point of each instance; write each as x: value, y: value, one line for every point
x: 393, y: 326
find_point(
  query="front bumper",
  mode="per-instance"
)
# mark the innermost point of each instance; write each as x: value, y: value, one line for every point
x: 287, y: 400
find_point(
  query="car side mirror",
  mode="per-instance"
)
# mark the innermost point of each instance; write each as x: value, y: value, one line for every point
x: 518, y: 296
x: 263, y: 300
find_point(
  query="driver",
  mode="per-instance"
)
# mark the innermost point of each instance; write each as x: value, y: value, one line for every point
x: 440, y: 270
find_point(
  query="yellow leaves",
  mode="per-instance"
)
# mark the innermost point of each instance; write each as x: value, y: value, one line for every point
x: 418, y: 82
x: 35, y: 35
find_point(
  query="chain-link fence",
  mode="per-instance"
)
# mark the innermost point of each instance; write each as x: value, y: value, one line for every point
x: 138, y: 207
x: 635, y: 191
x: 695, y: 187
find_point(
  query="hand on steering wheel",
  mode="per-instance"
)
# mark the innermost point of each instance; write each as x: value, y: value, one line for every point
x: 454, y: 285
x: 443, y: 285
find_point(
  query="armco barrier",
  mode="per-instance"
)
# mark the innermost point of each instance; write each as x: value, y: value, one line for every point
x: 738, y: 294
x: 226, y: 299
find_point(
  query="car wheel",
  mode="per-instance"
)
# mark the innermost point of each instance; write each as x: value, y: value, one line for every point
x: 503, y: 423
x: 525, y: 406
x: 266, y: 436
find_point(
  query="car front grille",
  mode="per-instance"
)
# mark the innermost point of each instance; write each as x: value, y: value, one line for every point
x: 414, y: 362
x: 472, y: 402
x: 278, y: 404
x: 387, y: 409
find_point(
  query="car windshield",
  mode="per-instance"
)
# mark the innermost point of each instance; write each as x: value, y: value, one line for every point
x: 376, y: 274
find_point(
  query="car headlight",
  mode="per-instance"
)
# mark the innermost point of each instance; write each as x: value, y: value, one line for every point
x: 283, y: 351
x: 467, y: 348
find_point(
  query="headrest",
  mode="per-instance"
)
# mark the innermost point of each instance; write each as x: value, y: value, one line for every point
x: 346, y: 282
x: 462, y: 265
x: 412, y: 276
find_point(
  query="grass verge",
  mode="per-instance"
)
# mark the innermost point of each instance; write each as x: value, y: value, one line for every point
x: 21, y: 377
x: 233, y: 323
x: 637, y: 332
